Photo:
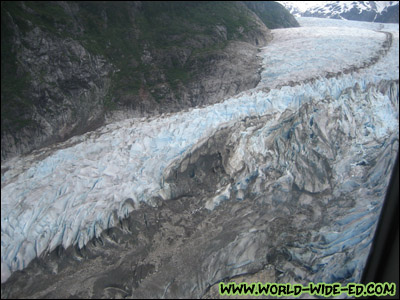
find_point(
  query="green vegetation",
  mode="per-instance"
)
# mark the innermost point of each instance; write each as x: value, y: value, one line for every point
x: 110, y: 31
x: 272, y: 14
x: 168, y: 18
x: 14, y: 82
x: 48, y: 16
x: 176, y: 74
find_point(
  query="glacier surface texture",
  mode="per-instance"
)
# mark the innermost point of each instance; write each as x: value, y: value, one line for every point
x: 290, y: 175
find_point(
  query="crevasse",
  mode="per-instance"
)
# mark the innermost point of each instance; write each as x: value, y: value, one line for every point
x: 67, y: 194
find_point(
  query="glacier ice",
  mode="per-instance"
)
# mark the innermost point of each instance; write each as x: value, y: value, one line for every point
x: 316, y: 22
x: 67, y: 194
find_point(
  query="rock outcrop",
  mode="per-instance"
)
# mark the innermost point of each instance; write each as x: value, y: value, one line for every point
x: 65, y: 92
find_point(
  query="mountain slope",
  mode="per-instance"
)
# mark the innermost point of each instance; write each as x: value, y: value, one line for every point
x: 273, y: 14
x: 67, y: 65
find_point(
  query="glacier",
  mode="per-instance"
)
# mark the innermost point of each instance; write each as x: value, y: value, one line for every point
x: 71, y: 192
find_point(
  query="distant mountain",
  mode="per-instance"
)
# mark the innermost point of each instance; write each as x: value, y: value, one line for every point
x: 370, y: 11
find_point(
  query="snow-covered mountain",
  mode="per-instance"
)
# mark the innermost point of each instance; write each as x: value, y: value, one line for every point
x: 289, y: 176
x: 370, y: 11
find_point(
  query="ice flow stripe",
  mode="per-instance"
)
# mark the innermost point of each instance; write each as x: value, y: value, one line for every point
x: 68, y: 197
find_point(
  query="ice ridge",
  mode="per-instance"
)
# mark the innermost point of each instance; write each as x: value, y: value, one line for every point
x: 74, y: 192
